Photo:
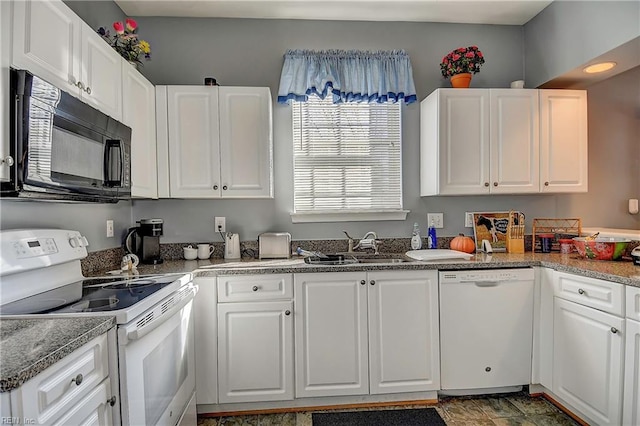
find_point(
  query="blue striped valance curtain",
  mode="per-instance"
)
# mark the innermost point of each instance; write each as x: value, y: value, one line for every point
x: 353, y: 76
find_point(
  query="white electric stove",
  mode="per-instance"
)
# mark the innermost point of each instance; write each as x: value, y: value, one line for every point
x: 40, y: 274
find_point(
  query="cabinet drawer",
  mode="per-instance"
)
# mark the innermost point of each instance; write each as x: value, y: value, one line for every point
x: 633, y: 302
x: 53, y: 392
x: 243, y: 288
x: 603, y: 295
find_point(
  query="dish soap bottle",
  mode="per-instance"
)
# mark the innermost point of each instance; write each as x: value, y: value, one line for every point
x: 432, y: 241
x: 416, y: 241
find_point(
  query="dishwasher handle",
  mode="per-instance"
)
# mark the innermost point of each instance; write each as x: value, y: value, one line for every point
x: 482, y: 283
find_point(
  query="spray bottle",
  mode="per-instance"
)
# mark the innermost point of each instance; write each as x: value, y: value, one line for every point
x: 432, y: 241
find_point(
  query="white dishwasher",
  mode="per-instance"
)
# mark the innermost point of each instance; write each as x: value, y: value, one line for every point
x: 486, y: 330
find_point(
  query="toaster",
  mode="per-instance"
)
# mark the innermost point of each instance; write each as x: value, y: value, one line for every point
x: 274, y: 245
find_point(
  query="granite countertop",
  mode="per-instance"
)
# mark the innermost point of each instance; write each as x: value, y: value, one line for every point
x: 28, y: 346
x: 624, y: 271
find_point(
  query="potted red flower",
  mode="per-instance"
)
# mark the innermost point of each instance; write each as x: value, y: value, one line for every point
x: 460, y: 64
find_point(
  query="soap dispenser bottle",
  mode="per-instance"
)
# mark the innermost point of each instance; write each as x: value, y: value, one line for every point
x: 432, y: 241
x: 416, y: 241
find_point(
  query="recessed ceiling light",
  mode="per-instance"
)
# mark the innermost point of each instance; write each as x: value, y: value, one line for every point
x: 601, y: 67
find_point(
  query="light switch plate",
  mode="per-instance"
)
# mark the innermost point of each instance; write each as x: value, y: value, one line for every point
x: 436, y: 218
x: 468, y: 220
x: 220, y: 224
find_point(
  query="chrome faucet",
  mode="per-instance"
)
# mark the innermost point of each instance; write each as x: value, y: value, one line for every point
x: 368, y: 242
x: 350, y: 241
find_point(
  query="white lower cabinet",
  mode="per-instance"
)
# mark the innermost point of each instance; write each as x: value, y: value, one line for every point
x: 588, y: 356
x: 631, y: 405
x: 359, y: 333
x: 206, y: 340
x: 75, y: 390
x: 255, y: 351
x: 255, y: 338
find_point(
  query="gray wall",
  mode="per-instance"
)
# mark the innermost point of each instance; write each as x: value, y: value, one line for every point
x: 89, y: 219
x: 567, y: 34
x: 249, y: 52
x: 614, y: 155
x: 97, y: 13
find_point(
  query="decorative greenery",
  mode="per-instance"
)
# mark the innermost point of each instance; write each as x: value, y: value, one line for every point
x: 125, y: 41
x: 461, y: 60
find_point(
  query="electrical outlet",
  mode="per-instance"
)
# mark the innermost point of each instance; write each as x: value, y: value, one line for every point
x: 436, y: 218
x: 468, y: 220
x: 220, y: 224
x: 109, y: 228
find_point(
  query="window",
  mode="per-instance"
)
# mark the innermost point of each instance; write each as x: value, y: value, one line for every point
x: 347, y: 161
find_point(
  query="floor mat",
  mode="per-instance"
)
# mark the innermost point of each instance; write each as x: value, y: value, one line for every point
x: 410, y: 417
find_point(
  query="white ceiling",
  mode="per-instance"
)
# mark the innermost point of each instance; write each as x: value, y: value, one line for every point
x: 501, y: 12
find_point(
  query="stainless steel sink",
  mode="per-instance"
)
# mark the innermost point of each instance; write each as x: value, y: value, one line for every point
x: 382, y: 260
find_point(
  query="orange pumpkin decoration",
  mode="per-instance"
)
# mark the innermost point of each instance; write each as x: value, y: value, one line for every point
x: 463, y: 243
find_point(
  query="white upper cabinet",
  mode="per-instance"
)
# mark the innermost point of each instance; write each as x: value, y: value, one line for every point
x: 139, y: 113
x: 563, y: 140
x: 214, y: 142
x: 52, y: 42
x: 488, y: 141
x: 245, y: 142
x: 454, y: 149
x: 514, y: 142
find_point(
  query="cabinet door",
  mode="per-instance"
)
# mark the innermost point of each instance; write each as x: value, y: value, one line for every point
x: 403, y: 331
x: 46, y: 41
x: 515, y: 160
x: 331, y: 334
x: 464, y: 141
x: 587, y: 361
x: 246, y: 142
x: 101, y: 74
x: 206, y: 340
x: 139, y: 113
x: 93, y: 409
x: 194, y: 144
x: 255, y: 351
x: 563, y: 141
x: 632, y: 374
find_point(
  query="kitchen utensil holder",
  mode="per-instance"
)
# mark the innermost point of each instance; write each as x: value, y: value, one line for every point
x: 515, y: 233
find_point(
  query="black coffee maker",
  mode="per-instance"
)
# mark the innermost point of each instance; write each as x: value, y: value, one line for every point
x: 144, y: 241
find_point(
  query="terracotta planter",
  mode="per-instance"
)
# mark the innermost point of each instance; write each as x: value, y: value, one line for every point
x: 461, y: 81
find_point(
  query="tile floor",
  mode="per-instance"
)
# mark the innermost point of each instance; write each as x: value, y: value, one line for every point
x: 505, y: 410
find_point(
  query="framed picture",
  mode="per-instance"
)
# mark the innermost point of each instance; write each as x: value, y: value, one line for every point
x: 491, y: 226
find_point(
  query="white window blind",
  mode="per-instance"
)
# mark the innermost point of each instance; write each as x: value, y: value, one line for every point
x: 347, y: 157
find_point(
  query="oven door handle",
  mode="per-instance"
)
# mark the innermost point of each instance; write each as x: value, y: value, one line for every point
x: 138, y: 333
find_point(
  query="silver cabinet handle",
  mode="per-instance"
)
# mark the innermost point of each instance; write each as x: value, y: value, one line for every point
x: 287, y: 312
x: 581, y: 291
x: 112, y: 401
x: 215, y: 186
x: 372, y: 282
x: 79, y: 85
x: 486, y: 184
x: 88, y: 90
x: 546, y: 184
x: 614, y: 330
x: 8, y: 160
x: 78, y: 379
x: 363, y: 282
x: 495, y: 183
x: 255, y: 288
x: 224, y: 188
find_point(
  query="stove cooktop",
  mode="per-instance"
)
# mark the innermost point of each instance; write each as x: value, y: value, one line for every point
x: 92, y: 295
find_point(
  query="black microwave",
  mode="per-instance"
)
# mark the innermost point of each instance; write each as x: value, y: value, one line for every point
x: 64, y: 149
